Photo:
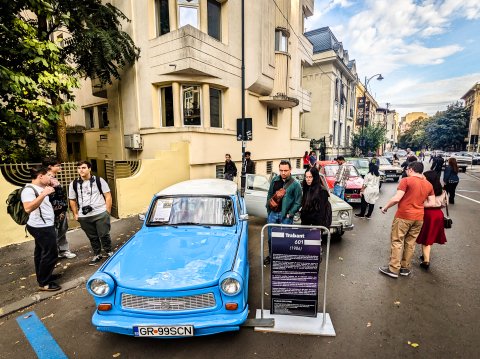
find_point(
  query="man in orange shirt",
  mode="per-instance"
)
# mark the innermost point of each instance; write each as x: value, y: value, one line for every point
x: 412, y: 192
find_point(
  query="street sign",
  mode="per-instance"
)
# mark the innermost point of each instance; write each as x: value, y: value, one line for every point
x: 245, y: 134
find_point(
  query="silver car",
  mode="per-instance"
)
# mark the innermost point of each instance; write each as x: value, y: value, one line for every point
x: 256, y: 197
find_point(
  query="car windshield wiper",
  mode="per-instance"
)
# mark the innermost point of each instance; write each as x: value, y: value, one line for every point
x: 194, y: 224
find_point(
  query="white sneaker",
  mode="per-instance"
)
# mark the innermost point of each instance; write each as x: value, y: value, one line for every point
x: 66, y: 254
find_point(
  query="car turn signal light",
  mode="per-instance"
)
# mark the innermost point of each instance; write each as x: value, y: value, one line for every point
x: 231, y: 306
x: 104, y: 307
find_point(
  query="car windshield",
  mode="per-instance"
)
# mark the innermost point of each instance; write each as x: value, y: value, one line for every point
x: 362, y: 163
x: 384, y: 161
x: 184, y: 210
x: 331, y: 170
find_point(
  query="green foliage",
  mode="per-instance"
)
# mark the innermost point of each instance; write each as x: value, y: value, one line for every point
x: 445, y: 130
x: 38, y: 74
x: 373, y: 135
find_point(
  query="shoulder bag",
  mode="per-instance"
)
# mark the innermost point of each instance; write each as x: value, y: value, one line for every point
x: 275, y: 200
x: 447, y: 221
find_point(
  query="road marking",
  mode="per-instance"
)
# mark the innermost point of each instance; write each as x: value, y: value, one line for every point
x: 466, y: 190
x: 39, y: 337
x: 459, y: 195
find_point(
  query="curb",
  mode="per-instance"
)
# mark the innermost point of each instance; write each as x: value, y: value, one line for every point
x: 36, y: 298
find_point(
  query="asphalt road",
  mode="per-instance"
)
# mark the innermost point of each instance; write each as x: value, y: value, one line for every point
x: 374, y: 316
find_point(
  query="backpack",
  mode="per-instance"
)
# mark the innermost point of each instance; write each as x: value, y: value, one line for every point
x: 76, y: 181
x: 15, y: 206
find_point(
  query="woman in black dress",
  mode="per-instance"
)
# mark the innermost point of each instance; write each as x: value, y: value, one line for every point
x: 316, y: 209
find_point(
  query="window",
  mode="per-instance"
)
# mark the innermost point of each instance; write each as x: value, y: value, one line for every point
x: 336, y: 89
x: 162, y: 20
x: 89, y: 120
x: 214, y: 19
x: 188, y: 13
x: 334, y: 131
x: 272, y: 116
x: 340, y: 133
x: 166, y: 106
x: 281, y: 40
x: 269, y: 167
x: 219, y: 171
x: 347, y: 138
x: 297, y: 162
x: 191, y: 106
x: 103, y: 116
x: 215, y: 108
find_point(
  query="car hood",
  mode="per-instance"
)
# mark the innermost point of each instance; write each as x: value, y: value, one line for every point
x: 389, y: 168
x: 354, y: 182
x: 338, y: 204
x: 166, y: 258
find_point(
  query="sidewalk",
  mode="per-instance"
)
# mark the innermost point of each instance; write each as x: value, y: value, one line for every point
x: 18, y: 283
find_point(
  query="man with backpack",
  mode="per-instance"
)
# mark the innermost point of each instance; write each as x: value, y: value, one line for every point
x: 40, y: 224
x: 91, y: 204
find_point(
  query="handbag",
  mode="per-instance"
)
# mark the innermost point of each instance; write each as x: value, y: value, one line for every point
x: 275, y: 200
x: 447, y: 221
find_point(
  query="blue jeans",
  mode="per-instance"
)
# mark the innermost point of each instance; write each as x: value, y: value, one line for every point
x: 275, y: 217
x: 339, y: 191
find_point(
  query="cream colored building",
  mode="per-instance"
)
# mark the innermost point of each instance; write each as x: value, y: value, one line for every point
x: 472, y: 101
x: 388, y: 118
x: 186, y: 86
x: 413, y: 116
x: 331, y: 79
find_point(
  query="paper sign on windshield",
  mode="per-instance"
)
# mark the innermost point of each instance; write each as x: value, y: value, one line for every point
x: 162, y: 210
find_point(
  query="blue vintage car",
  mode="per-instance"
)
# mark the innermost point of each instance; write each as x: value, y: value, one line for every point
x: 185, y: 272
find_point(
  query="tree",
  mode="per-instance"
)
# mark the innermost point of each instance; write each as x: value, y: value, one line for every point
x: 448, y: 129
x: 93, y: 45
x: 373, y: 135
x: 415, y: 136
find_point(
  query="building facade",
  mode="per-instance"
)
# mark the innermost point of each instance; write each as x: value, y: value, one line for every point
x: 388, y: 118
x: 472, y: 102
x: 187, y: 85
x: 331, y: 79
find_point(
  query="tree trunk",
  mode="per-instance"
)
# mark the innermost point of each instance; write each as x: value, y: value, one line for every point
x: 62, y: 154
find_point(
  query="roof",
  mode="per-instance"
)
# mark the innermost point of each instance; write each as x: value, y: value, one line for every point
x: 322, y: 39
x: 209, y: 187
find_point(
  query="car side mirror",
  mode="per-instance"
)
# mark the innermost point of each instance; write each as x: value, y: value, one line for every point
x: 244, y: 217
x: 141, y: 216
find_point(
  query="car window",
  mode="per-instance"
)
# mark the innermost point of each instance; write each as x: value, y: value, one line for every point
x: 384, y: 161
x: 353, y: 171
x: 216, y: 211
x: 258, y: 183
x: 362, y: 163
x: 330, y: 170
x: 299, y: 177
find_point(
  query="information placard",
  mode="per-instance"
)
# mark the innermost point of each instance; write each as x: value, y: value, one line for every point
x: 296, y: 256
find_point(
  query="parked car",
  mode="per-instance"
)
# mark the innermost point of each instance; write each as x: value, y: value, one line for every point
x: 392, y: 172
x: 185, y: 272
x: 257, y: 186
x: 472, y: 157
x: 389, y: 156
x: 361, y: 164
x: 354, y: 184
x: 401, y: 153
x: 464, y: 159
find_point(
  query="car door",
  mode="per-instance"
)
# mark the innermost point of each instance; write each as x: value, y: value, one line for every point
x: 256, y: 194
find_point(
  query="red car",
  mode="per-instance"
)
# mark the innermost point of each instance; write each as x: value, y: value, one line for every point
x: 354, y: 183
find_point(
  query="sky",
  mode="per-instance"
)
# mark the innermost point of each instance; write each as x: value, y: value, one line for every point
x: 427, y: 51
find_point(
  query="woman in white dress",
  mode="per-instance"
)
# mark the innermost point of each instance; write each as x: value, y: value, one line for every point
x: 370, y: 191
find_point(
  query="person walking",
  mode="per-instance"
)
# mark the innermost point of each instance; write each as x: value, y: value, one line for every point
x: 432, y: 229
x: 405, y: 164
x: 91, y: 204
x: 230, y: 170
x: 41, y: 225
x: 370, y: 191
x: 396, y: 160
x: 313, y: 159
x: 249, y: 164
x: 412, y: 192
x: 341, y: 178
x: 451, y: 179
x: 437, y: 164
x: 316, y: 208
x: 284, y: 199
x: 306, y: 161
x: 58, y: 199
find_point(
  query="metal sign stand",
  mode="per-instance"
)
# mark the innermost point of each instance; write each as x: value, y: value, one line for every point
x: 266, y: 322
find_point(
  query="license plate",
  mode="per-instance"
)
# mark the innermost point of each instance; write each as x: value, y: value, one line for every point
x: 391, y: 175
x: 355, y: 200
x: 164, y: 331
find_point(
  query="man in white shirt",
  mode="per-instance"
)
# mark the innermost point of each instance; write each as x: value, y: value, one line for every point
x: 41, y: 226
x: 91, y: 203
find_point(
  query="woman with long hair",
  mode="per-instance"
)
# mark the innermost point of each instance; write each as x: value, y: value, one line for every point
x: 306, y: 161
x: 316, y: 209
x: 450, y: 179
x: 370, y: 191
x: 432, y: 230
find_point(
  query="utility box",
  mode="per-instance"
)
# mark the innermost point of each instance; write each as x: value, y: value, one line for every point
x: 133, y: 141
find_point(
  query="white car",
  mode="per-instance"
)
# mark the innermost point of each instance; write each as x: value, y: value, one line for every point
x: 392, y: 172
x: 256, y: 198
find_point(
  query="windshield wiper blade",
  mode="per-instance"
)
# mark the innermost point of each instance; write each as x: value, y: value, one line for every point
x: 194, y: 224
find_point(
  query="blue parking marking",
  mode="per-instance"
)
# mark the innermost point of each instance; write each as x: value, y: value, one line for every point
x: 39, y: 337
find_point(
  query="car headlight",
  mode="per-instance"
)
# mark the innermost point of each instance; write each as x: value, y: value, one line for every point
x: 230, y: 286
x: 99, y: 287
x: 399, y: 171
x: 344, y: 214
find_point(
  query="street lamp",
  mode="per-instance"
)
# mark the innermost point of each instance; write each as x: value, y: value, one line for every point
x: 379, y: 78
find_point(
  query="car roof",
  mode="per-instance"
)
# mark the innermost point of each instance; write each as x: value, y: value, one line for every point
x: 209, y: 187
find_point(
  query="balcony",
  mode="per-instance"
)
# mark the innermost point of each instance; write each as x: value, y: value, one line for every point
x: 280, y: 100
x: 98, y: 89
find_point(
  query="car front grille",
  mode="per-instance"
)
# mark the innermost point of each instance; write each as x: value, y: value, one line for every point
x: 390, y: 172
x: 168, y: 304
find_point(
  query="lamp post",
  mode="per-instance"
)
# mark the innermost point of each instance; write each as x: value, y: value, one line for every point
x: 379, y: 78
x: 386, y: 127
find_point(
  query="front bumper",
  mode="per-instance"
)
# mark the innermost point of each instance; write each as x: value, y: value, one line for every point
x: 340, y: 228
x: 203, y: 324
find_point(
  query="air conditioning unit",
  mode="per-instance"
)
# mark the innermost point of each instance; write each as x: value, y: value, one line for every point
x: 133, y: 141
